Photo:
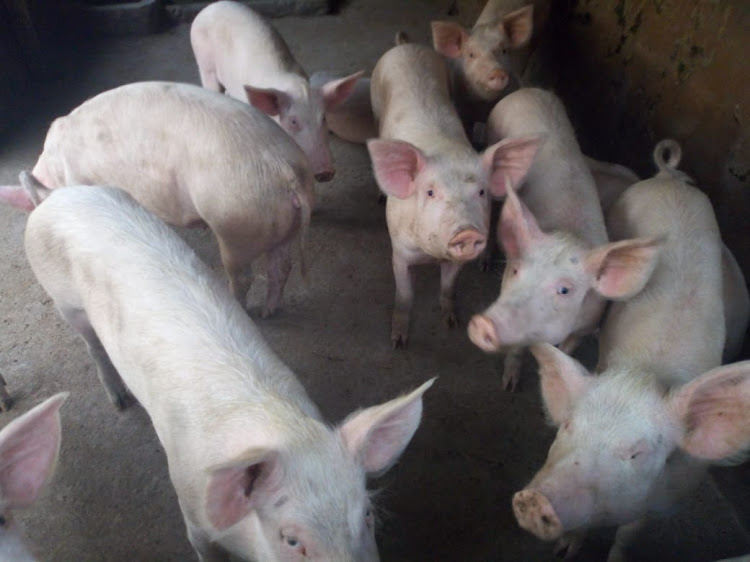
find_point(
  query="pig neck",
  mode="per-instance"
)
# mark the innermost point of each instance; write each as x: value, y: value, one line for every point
x: 674, y: 328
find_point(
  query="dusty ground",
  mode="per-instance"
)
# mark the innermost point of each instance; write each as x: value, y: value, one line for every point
x: 449, y: 497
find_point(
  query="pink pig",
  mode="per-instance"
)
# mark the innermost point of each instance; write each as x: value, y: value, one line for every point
x: 638, y: 437
x: 240, y: 53
x: 438, y: 187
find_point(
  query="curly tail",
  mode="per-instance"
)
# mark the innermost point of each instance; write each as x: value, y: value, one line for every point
x: 667, y: 156
x: 401, y: 38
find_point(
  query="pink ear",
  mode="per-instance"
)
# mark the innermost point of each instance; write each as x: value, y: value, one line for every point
x: 518, y: 228
x: 377, y: 436
x: 29, y: 446
x: 518, y: 26
x: 16, y: 196
x: 620, y: 270
x: 448, y: 38
x: 715, y: 412
x: 508, y: 161
x: 269, y: 101
x: 563, y: 380
x: 238, y: 487
x: 336, y: 91
x: 396, y: 164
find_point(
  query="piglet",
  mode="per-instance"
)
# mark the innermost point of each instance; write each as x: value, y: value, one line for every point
x: 194, y: 158
x: 257, y: 472
x: 29, y: 446
x: 438, y: 187
x: 638, y: 437
x: 240, y: 53
x: 481, y: 72
x: 559, y: 266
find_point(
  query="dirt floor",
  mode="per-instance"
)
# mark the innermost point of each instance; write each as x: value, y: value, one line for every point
x: 448, y: 499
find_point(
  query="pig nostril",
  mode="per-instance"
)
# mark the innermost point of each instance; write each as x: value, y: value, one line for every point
x: 546, y: 520
x: 324, y: 176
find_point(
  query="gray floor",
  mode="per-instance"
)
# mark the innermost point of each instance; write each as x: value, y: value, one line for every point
x: 449, y: 497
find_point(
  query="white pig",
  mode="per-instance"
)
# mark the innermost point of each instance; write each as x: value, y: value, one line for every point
x: 29, y: 446
x: 560, y: 268
x: 194, y: 158
x: 481, y: 71
x: 635, y: 439
x: 256, y: 471
x: 240, y: 53
x: 351, y: 120
x: 438, y: 187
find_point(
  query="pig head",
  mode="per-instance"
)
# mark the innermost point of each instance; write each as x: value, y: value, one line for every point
x: 626, y: 446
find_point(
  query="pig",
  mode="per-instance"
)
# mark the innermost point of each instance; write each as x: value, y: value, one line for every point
x: 638, y: 437
x: 257, y: 472
x: 29, y: 447
x: 611, y: 180
x: 194, y: 158
x: 240, y: 53
x: 560, y: 264
x: 438, y: 187
x: 480, y: 66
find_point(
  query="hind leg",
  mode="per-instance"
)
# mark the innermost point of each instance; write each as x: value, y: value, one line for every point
x: 279, y: 266
x: 116, y: 390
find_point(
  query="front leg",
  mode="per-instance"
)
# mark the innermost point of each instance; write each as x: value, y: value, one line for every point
x: 278, y: 268
x: 448, y: 272
x: 404, y: 299
x: 512, y: 368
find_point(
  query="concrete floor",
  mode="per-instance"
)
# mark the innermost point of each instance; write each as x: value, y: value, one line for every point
x: 448, y: 499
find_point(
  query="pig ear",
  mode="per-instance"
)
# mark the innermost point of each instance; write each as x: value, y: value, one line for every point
x: 563, y: 381
x: 448, y: 38
x: 620, y: 270
x: 16, y: 196
x: 336, y: 91
x: 508, y: 161
x: 715, y: 412
x: 518, y: 228
x: 236, y: 488
x: 29, y: 446
x: 377, y: 436
x: 518, y: 26
x: 270, y: 101
x: 396, y: 164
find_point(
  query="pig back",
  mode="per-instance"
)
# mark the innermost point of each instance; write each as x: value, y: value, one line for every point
x: 171, y: 328
x: 187, y: 154
x: 675, y: 326
x: 559, y: 189
x: 411, y: 99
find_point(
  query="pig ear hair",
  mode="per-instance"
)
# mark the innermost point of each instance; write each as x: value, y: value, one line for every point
x: 621, y: 270
x: 335, y: 92
x: 269, y: 100
x: 517, y: 228
x: 236, y: 488
x: 29, y: 446
x: 563, y: 381
x: 396, y: 164
x: 518, y: 26
x: 378, y: 435
x: 509, y: 160
x: 715, y: 412
x: 448, y: 38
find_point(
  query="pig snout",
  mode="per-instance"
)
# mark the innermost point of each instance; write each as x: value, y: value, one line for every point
x: 483, y: 333
x: 324, y: 176
x: 467, y: 245
x: 497, y: 80
x: 534, y: 512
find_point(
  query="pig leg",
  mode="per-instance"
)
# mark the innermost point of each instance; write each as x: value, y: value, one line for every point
x: 512, y: 368
x: 6, y: 401
x: 570, y: 344
x: 448, y: 273
x: 116, y: 390
x: 404, y: 298
x: 623, y: 537
x: 569, y: 544
x: 279, y: 266
x: 207, y: 70
x: 238, y: 267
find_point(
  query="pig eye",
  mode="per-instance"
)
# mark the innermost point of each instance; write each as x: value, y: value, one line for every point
x: 481, y: 192
x: 369, y: 517
x: 430, y: 193
x: 563, y: 290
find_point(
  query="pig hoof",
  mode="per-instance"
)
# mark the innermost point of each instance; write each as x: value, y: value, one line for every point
x: 567, y: 547
x: 450, y: 319
x: 398, y: 341
x: 123, y: 400
x: 5, y: 399
x: 510, y: 381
